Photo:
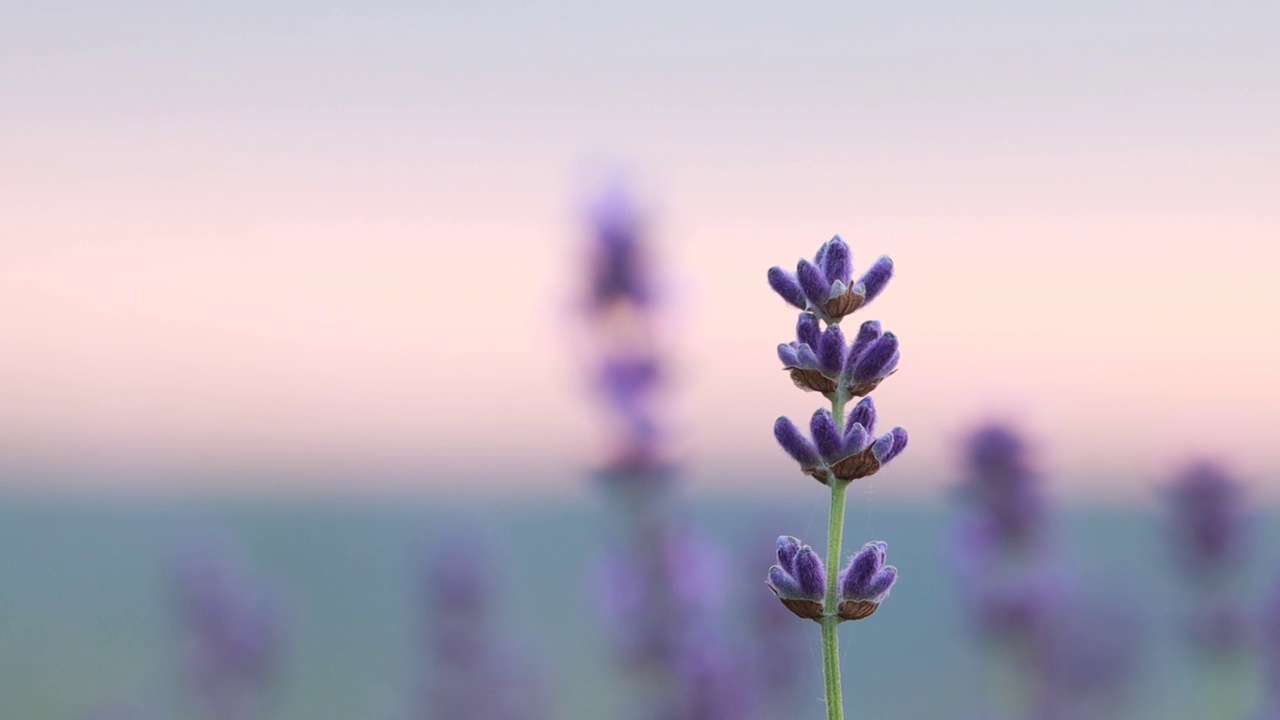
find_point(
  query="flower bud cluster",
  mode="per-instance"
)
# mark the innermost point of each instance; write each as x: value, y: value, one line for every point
x: 838, y: 448
x: 800, y: 581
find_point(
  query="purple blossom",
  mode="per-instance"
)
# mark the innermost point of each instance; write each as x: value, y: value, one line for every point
x: 234, y: 634
x: 798, y: 579
x: 473, y: 673
x: 824, y: 286
x: 1207, y: 522
x: 850, y: 455
x: 823, y: 361
x: 865, y: 582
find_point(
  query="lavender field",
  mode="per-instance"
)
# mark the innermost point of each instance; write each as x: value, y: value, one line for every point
x: 86, y: 615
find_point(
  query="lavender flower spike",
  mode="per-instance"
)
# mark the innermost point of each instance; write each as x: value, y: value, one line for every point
x: 865, y: 582
x: 825, y: 286
x: 798, y: 579
x: 855, y: 455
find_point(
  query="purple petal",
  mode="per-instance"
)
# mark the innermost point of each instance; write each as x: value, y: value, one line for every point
x: 874, y: 280
x: 807, y: 330
x: 815, y: 284
x: 786, y: 285
x: 878, y: 360
x: 825, y: 435
x: 788, y: 548
x: 784, y: 584
x: 890, y: 445
x: 855, y: 439
x: 831, y: 351
x: 796, y: 444
x: 862, y: 567
x: 864, y: 414
x: 883, y: 447
x: 787, y: 354
x: 809, y: 574
x: 880, y: 585
x: 868, y: 333
x: 806, y: 357
x: 837, y: 263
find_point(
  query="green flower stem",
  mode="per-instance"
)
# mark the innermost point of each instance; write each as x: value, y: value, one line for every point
x: 831, y: 609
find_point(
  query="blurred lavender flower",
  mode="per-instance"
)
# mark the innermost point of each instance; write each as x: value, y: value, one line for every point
x: 473, y: 674
x: 234, y: 633
x: 659, y: 586
x: 1208, y: 537
x: 1062, y: 656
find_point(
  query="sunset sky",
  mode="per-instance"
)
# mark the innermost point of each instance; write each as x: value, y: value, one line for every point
x: 334, y: 246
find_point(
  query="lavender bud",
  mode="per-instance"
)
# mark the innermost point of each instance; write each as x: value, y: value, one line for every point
x: 868, y: 333
x: 862, y: 567
x: 837, y: 261
x: 788, y: 548
x: 880, y: 585
x: 831, y: 351
x: 786, y: 285
x: 815, y: 284
x: 874, y: 280
x: 809, y: 574
x: 878, y: 361
x: 806, y: 357
x: 798, y: 580
x: 865, y: 582
x: 796, y: 444
x: 787, y: 354
x: 864, y: 414
x: 855, y: 439
x: 807, y: 330
x: 825, y: 434
x: 889, y: 445
x: 784, y: 584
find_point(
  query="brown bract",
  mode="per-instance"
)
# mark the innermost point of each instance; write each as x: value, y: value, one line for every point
x: 815, y: 381
x: 807, y: 609
x: 857, y: 609
x: 843, y: 304
x: 853, y: 467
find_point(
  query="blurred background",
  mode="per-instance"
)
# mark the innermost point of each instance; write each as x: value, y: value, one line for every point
x: 300, y: 295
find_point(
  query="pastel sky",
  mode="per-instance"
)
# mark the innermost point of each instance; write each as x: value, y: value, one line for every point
x: 331, y: 245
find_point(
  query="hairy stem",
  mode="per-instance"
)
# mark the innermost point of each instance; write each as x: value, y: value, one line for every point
x: 830, y: 609
x: 830, y: 615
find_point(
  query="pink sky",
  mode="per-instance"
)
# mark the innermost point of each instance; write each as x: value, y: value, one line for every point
x: 347, y: 260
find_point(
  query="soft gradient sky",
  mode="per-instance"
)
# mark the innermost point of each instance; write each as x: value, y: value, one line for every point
x: 334, y: 245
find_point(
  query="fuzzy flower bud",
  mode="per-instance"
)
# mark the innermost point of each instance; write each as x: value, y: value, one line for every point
x: 865, y: 582
x: 798, y: 579
x: 825, y: 286
x: 856, y: 455
x: 874, y: 280
x: 786, y: 285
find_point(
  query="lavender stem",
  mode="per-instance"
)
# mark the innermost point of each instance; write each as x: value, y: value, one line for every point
x: 831, y: 609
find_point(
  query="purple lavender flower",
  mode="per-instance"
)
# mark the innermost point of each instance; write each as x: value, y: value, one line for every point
x: 798, y: 579
x: 824, y: 286
x: 658, y: 581
x: 235, y: 634
x: 1208, y: 533
x: 866, y: 582
x: 1207, y: 521
x: 473, y: 673
x: 846, y: 456
x: 822, y: 362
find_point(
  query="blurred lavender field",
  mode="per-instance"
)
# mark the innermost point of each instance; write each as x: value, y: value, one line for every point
x: 86, y: 617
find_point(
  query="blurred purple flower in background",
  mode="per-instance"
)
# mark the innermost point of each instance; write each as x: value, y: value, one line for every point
x: 233, y: 631
x: 1208, y: 533
x: 662, y: 580
x: 1055, y: 652
x: 472, y: 672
